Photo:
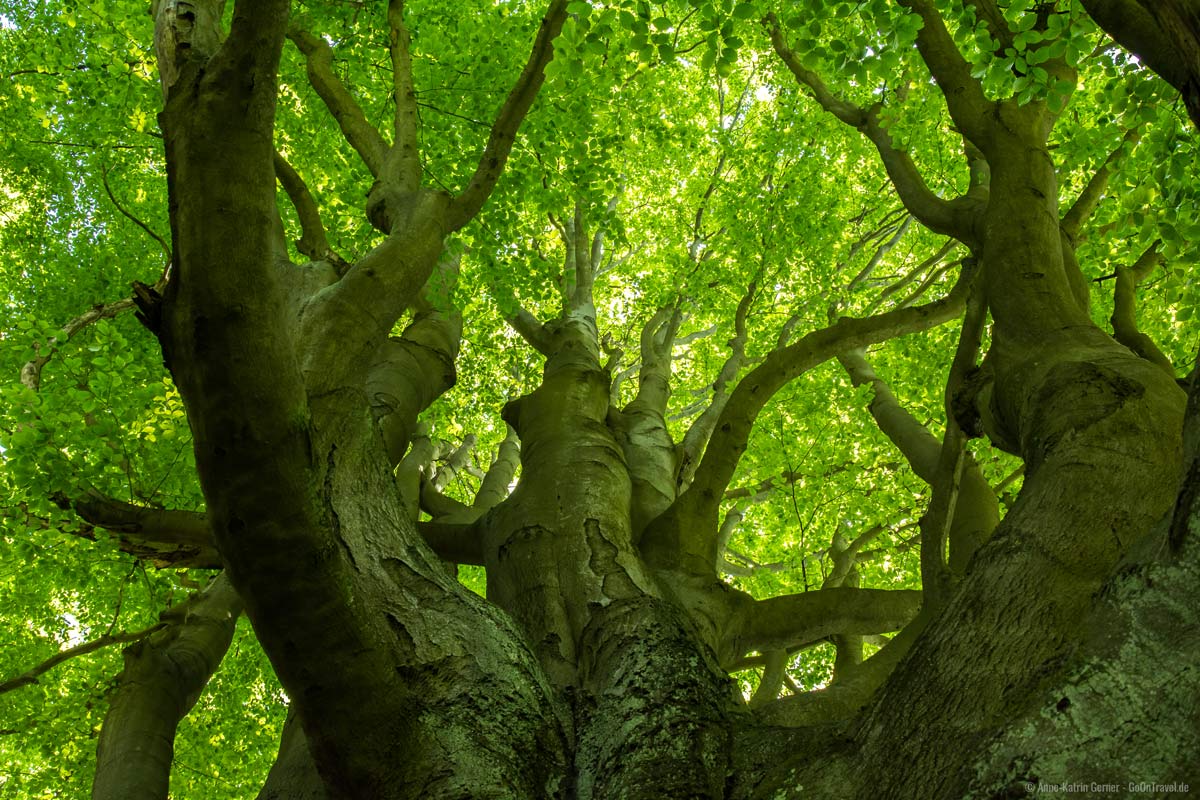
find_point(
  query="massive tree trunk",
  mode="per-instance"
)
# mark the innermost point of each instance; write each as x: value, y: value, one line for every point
x: 1099, y: 430
x: 599, y: 664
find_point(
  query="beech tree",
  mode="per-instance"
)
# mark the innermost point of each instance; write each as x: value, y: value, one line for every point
x: 599, y: 399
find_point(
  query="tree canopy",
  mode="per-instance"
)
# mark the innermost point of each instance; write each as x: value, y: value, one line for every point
x: 776, y: 232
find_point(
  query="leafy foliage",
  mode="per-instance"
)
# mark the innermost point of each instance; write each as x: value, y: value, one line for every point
x: 726, y: 175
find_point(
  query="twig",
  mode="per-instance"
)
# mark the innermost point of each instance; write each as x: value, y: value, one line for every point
x: 32, y: 675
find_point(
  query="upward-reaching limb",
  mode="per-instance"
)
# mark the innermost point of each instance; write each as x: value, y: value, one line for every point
x: 685, y: 534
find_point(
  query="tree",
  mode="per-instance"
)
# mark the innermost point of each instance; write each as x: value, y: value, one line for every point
x: 620, y: 448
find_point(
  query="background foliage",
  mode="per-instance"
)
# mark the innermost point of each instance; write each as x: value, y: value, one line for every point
x: 726, y: 175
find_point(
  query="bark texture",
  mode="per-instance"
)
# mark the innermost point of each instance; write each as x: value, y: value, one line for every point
x: 163, y: 677
x: 598, y: 666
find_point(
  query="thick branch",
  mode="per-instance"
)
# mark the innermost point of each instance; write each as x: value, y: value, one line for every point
x: 456, y: 542
x: 654, y: 377
x: 412, y: 370
x: 495, y: 484
x: 774, y: 668
x: 964, y: 95
x: 791, y: 621
x: 294, y: 775
x: 360, y: 133
x: 1163, y: 34
x: 161, y: 535
x: 688, y: 529
x: 512, y: 113
x: 403, y: 162
x: 163, y: 677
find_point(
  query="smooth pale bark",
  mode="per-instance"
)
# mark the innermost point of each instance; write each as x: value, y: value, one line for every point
x: 163, y: 677
x: 977, y: 511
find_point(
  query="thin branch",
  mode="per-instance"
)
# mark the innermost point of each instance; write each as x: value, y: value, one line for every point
x: 162, y: 243
x: 700, y: 431
x: 912, y: 274
x: 878, y: 255
x: 32, y: 674
x: 31, y: 371
x: 1093, y: 192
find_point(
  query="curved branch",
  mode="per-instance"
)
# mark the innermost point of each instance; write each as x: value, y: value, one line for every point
x: 774, y: 668
x: 313, y: 242
x: 360, y: 133
x: 163, y: 678
x: 31, y: 371
x: 700, y: 431
x: 792, y: 621
x: 412, y: 370
x: 512, y: 113
x: 938, y: 215
x: 687, y: 531
x: 162, y: 243
x: 1165, y: 35
x: 32, y: 674
x: 964, y: 94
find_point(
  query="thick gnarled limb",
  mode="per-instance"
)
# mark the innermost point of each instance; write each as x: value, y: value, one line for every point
x: 163, y: 677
